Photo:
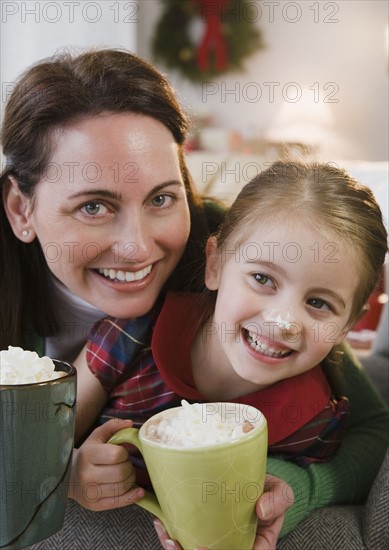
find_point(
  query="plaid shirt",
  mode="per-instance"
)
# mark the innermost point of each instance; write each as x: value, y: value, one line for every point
x: 305, y: 421
x: 119, y: 355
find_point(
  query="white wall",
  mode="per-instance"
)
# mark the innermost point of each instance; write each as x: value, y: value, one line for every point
x: 31, y: 30
x: 343, y: 50
x: 339, y: 45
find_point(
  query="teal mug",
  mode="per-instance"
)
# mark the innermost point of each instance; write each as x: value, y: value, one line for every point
x: 37, y: 434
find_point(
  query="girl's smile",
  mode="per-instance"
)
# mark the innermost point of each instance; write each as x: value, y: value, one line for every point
x: 265, y: 347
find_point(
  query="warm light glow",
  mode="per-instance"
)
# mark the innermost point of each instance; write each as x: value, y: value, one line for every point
x: 305, y: 121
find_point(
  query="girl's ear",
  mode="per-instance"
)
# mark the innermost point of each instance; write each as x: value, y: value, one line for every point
x: 343, y: 333
x: 18, y: 207
x: 212, y: 266
x: 351, y: 323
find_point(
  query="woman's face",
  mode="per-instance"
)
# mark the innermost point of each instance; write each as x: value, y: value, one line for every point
x: 111, y: 214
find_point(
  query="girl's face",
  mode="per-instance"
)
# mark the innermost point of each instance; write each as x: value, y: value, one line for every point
x: 284, y: 300
x: 111, y: 214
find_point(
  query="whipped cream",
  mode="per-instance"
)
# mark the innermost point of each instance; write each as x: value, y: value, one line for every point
x: 202, y: 424
x: 18, y: 366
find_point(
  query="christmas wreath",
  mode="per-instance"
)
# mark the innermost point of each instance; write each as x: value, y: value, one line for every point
x: 204, y: 39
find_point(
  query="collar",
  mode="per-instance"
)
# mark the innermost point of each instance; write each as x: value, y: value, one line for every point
x: 75, y: 318
x: 287, y: 405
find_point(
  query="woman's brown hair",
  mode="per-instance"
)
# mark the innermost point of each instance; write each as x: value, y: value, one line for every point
x: 48, y: 96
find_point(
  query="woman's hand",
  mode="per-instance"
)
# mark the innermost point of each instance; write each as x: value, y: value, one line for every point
x: 102, y: 477
x: 271, y: 507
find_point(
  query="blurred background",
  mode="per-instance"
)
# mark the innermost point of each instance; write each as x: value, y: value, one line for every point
x: 319, y: 77
x: 312, y: 80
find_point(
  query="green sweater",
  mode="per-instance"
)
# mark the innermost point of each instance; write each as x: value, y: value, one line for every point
x: 347, y: 478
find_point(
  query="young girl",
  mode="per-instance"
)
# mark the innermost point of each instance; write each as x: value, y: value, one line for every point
x: 289, y: 273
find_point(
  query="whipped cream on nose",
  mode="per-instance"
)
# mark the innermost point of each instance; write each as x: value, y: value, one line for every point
x: 283, y: 319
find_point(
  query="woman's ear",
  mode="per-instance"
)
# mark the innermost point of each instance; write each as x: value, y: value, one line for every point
x: 17, y: 208
x: 212, y: 266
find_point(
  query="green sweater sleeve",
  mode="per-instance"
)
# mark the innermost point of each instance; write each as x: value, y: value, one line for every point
x: 347, y: 478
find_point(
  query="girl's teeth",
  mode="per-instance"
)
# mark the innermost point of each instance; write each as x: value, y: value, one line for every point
x: 264, y: 348
x: 127, y: 276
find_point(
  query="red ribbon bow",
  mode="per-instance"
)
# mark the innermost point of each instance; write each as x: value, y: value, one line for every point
x: 213, y: 38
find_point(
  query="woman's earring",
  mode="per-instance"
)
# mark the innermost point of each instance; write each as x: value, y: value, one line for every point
x: 25, y: 233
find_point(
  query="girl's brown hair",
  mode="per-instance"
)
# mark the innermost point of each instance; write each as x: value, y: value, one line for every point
x: 330, y: 200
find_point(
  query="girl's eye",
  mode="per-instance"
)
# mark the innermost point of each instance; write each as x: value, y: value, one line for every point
x: 94, y: 208
x: 263, y: 279
x: 317, y: 303
x: 162, y: 200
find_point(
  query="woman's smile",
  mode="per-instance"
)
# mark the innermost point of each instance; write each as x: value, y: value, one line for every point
x: 122, y: 275
x: 125, y: 281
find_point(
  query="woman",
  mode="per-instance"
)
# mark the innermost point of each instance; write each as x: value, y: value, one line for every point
x: 98, y: 218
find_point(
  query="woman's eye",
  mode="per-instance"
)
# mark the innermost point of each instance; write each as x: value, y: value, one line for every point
x: 162, y: 200
x: 94, y: 208
x: 263, y: 279
x: 317, y: 303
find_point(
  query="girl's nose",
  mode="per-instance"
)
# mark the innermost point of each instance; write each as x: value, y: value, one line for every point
x: 282, y: 317
x: 283, y: 322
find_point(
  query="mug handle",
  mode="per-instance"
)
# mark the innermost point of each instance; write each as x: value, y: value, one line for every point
x: 149, y: 502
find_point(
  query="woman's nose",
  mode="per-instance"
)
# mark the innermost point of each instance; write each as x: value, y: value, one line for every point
x: 134, y: 242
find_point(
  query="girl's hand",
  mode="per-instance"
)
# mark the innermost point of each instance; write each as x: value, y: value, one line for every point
x: 102, y: 477
x: 271, y: 507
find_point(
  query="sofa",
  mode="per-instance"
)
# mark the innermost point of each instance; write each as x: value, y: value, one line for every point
x: 335, y: 527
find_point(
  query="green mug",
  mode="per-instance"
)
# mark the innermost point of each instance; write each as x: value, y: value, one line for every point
x: 37, y: 434
x: 205, y: 495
